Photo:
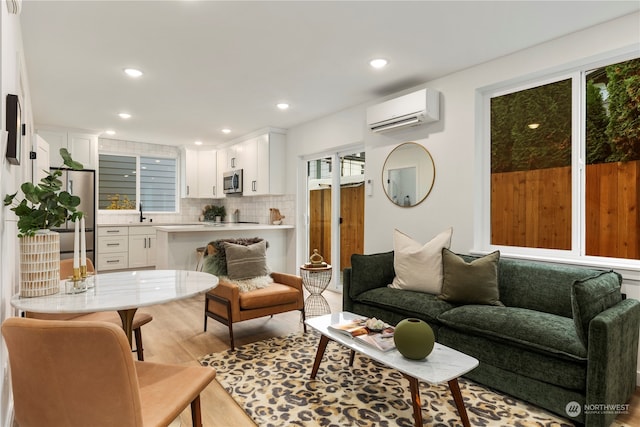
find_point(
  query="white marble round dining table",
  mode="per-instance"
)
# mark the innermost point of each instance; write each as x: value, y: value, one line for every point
x: 123, y: 291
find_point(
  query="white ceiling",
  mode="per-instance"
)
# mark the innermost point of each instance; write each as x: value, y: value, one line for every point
x: 210, y: 65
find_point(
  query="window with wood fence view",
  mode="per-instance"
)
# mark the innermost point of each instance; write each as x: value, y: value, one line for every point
x: 532, y: 181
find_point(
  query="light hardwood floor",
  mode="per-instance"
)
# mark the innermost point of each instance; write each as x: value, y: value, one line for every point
x: 176, y: 336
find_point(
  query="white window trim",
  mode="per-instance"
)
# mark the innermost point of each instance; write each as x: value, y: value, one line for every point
x: 482, y: 220
x: 137, y: 156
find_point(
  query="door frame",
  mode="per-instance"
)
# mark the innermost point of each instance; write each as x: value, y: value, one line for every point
x: 303, y: 191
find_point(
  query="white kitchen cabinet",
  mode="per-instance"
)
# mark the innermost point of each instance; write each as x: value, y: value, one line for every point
x: 113, y: 248
x: 199, y: 173
x: 264, y: 173
x: 233, y: 157
x: 207, y: 174
x: 249, y: 150
x: 142, y: 247
x: 221, y: 161
x: 83, y: 147
x: 262, y: 162
x: 189, y: 173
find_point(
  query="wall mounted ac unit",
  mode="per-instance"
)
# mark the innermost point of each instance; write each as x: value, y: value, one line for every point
x: 412, y: 109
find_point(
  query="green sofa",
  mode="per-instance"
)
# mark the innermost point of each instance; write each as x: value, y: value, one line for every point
x: 565, y: 334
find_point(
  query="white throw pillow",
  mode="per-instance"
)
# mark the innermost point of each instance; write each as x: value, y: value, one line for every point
x: 419, y: 267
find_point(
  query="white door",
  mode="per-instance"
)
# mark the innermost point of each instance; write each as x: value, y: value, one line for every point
x: 42, y: 163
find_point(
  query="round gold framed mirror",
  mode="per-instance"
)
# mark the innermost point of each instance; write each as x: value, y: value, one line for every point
x: 408, y: 174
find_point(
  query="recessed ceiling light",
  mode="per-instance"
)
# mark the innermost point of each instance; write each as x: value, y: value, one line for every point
x: 110, y: 132
x: 124, y: 115
x: 132, y: 72
x: 198, y: 142
x: 225, y: 130
x: 282, y: 106
x: 378, y: 63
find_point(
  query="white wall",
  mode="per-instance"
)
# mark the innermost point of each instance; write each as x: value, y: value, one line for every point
x: 451, y: 142
x: 13, y: 81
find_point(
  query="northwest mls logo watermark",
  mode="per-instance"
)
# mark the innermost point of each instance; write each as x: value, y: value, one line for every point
x: 573, y: 409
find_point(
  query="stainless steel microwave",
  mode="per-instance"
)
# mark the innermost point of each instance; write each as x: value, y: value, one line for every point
x: 232, y: 182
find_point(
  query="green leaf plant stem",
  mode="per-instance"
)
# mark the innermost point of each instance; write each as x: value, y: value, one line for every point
x: 45, y: 205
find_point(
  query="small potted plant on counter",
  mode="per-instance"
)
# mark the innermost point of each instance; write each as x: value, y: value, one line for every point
x: 214, y: 213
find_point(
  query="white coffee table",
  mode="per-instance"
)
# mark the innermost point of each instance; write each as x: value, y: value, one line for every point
x: 443, y: 364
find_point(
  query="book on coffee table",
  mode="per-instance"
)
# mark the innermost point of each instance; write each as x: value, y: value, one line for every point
x: 352, y: 327
x: 382, y: 339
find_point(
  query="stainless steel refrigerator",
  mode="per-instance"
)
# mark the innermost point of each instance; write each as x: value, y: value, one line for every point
x: 81, y: 183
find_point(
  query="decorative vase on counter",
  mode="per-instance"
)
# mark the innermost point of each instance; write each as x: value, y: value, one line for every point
x: 40, y: 264
x: 414, y: 339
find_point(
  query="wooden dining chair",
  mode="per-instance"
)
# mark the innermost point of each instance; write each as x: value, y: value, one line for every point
x: 77, y: 374
x: 140, y: 318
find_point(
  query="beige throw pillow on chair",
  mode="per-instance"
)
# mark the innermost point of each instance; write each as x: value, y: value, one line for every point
x: 418, y: 267
x: 246, y: 262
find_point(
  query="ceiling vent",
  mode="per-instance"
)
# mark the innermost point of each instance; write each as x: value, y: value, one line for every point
x: 412, y: 109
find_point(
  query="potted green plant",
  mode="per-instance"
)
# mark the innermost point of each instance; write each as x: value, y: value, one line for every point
x: 214, y: 213
x: 44, y: 206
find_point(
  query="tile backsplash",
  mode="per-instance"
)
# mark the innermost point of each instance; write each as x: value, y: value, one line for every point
x: 251, y: 208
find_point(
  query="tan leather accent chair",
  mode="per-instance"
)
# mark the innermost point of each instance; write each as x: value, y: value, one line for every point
x: 140, y: 318
x: 78, y: 374
x: 226, y: 304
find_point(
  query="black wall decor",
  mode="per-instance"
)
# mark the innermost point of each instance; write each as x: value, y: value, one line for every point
x: 14, y: 129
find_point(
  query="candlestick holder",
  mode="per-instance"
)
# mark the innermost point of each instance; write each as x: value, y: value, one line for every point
x: 76, y: 284
x: 83, y: 271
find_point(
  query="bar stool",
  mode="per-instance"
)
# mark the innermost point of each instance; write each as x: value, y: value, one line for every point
x: 200, y: 257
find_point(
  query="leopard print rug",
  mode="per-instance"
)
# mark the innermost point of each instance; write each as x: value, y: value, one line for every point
x: 270, y: 380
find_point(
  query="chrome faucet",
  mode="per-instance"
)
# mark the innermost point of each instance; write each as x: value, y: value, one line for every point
x: 142, y: 218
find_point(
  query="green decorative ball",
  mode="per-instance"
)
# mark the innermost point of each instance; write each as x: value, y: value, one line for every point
x: 414, y: 338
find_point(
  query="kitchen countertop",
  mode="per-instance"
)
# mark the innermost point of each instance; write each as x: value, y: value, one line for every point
x: 178, y: 228
x: 146, y: 224
x: 205, y: 224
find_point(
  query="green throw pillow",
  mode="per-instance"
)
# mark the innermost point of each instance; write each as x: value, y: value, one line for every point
x: 215, y: 265
x: 370, y: 272
x: 470, y: 283
x: 592, y: 296
x: 246, y: 262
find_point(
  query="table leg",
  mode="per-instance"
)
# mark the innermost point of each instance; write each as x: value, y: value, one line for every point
x: 127, y: 322
x: 457, y: 397
x: 321, y: 347
x: 415, y: 400
x: 351, y: 357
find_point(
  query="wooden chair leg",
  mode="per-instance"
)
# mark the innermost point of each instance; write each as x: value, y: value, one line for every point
x: 304, y: 318
x: 139, y: 349
x: 206, y: 300
x: 196, y: 415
